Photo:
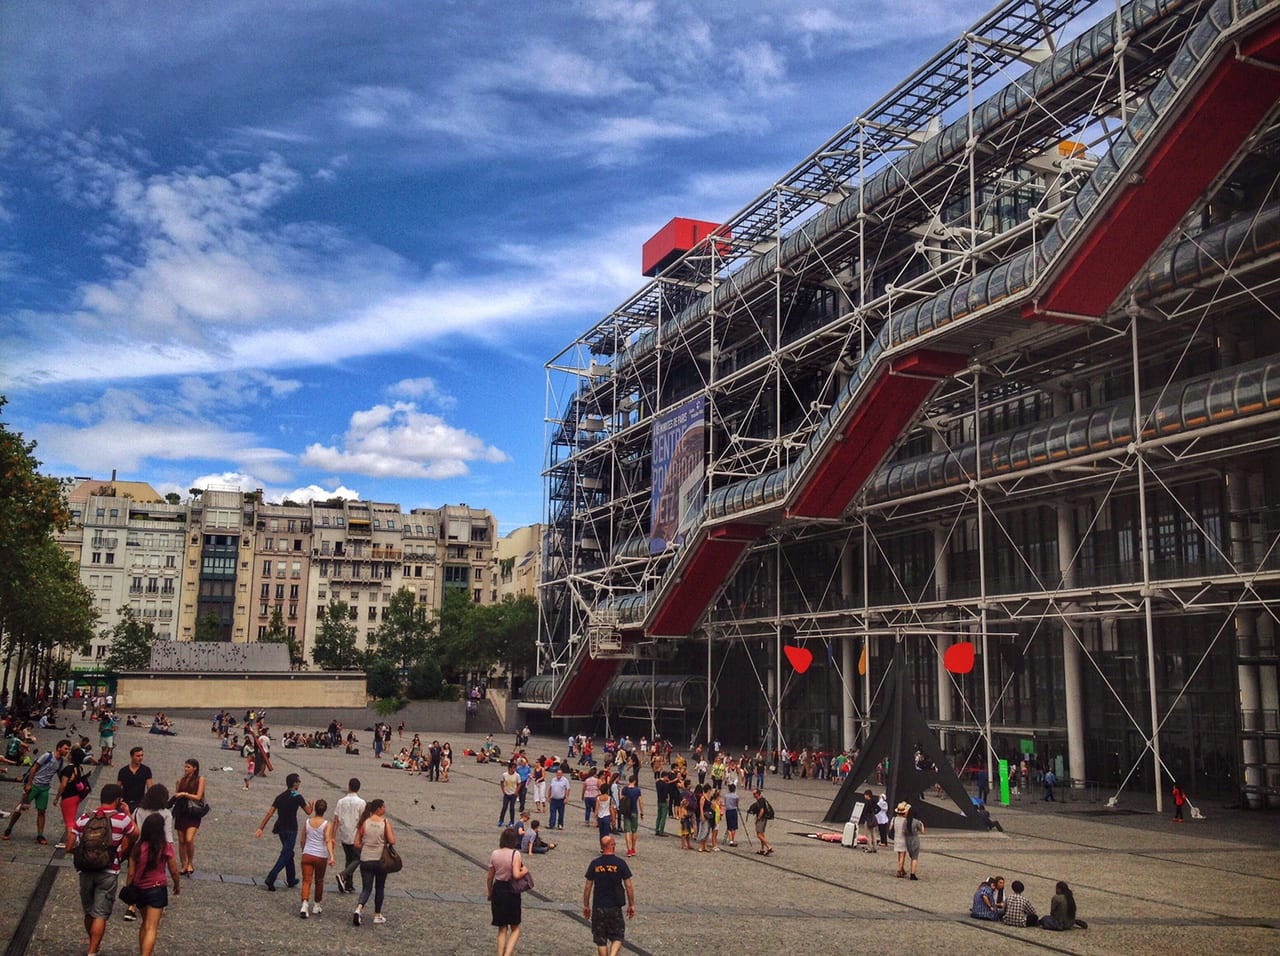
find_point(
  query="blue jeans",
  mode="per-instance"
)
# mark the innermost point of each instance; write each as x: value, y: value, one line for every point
x: 288, y: 840
x: 557, y: 813
x: 508, y: 807
x: 590, y: 808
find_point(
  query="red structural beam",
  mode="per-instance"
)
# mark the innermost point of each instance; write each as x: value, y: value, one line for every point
x: 1228, y: 106
x: 584, y: 685
x: 708, y: 562
x: 854, y: 453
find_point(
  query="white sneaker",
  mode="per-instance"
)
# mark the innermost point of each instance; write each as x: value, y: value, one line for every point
x: 379, y: 918
x: 303, y: 912
x: 316, y: 909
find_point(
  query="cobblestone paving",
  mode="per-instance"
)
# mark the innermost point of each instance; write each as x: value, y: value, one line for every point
x: 1144, y: 884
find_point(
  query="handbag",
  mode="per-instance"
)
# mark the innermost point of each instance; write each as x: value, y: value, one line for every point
x: 520, y: 883
x: 391, y: 862
x: 195, y: 809
x: 129, y: 894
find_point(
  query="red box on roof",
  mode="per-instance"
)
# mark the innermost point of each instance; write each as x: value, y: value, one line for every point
x: 672, y: 241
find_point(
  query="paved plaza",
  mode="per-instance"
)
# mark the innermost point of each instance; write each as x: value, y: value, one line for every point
x: 1144, y: 884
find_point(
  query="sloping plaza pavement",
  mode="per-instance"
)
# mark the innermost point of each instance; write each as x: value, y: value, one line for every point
x: 1144, y: 884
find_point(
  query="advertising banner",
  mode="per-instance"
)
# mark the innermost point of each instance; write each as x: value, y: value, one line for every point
x: 679, y: 467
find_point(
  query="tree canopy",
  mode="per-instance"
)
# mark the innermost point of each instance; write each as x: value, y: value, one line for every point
x: 131, y: 642
x: 405, y: 634
x: 336, y: 646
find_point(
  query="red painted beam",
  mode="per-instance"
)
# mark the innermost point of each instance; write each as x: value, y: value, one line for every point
x: 870, y: 432
x: 703, y: 574
x: 584, y: 685
x: 1227, y: 108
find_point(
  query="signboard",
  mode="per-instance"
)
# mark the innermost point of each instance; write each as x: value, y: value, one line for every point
x: 679, y: 468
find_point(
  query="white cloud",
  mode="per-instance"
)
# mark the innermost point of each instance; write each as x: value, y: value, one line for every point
x: 425, y: 388
x: 398, y: 441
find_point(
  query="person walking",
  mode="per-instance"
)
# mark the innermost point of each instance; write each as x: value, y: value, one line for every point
x: 154, y: 803
x: 505, y: 864
x: 135, y: 779
x: 36, y: 786
x: 763, y: 813
x: 1050, y: 781
x: 98, y: 860
x: 605, y: 807
x: 590, y: 794
x: 731, y: 800
x: 609, y: 879
x: 73, y: 786
x: 912, y: 828
x: 316, y: 846
x: 1179, y: 799
x: 185, y: 822
x: 347, y: 816
x: 152, y: 863
x: 630, y: 813
x: 373, y: 833
x: 285, y: 806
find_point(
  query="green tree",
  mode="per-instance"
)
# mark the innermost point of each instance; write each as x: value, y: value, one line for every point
x: 277, y: 633
x: 514, y: 629
x: 425, y: 679
x: 405, y: 635
x: 209, y: 628
x: 459, y: 644
x: 336, y: 647
x: 31, y: 509
x: 173, y: 498
x: 382, y: 678
x: 131, y: 642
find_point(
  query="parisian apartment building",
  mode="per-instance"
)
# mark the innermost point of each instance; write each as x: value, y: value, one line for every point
x: 223, y: 562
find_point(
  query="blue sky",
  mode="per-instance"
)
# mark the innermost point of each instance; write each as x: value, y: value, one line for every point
x: 326, y: 248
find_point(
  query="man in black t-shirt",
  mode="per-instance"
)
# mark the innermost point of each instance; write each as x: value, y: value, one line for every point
x: 610, y: 877
x: 134, y: 779
x: 286, y: 806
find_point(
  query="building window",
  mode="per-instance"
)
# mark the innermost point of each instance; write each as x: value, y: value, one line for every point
x: 262, y: 610
x: 297, y: 569
x: 297, y: 544
x: 111, y: 557
x: 170, y: 561
x: 279, y: 592
x: 265, y: 592
x: 262, y: 631
x: 266, y: 569
x: 293, y: 592
x: 96, y: 558
x: 373, y: 613
x: 353, y: 613
x: 293, y: 612
x: 115, y: 512
x: 475, y: 595
x: 292, y: 632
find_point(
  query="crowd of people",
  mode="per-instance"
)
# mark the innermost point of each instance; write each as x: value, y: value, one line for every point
x: 152, y: 829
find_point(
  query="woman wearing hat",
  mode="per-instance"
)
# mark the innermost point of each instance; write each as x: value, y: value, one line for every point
x: 907, y: 829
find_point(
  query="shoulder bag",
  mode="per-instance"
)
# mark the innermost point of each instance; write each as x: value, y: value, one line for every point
x: 391, y: 862
x: 520, y: 884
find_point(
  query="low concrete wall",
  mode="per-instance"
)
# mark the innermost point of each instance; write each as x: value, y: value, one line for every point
x: 146, y: 691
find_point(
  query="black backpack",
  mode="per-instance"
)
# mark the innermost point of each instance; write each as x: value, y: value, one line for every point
x: 624, y: 804
x: 95, y: 850
x: 768, y: 810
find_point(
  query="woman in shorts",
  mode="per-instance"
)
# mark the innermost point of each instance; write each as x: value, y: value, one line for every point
x: 153, y: 864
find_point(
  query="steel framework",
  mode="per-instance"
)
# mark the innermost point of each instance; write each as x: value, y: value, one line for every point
x: 998, y: 361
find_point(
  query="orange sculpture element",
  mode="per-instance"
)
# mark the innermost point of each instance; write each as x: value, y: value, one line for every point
x: 800, y: 657
x: 862, y: 661
x: 958, y: 658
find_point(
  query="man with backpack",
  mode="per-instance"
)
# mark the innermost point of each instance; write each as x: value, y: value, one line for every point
x: 763, y: 812
x: 630, y: 812
x: 102, y: 840
x: 36, y: 786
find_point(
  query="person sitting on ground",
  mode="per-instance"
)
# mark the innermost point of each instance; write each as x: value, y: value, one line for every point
x: 985, y: 816
x: 532, y: 841
x: 1062, y: 910
x: 1018, y: 910
x: 984, y: 901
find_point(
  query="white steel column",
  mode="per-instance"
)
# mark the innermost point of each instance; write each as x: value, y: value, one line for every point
x: 1072, y: 683
x: 1246, y: 639
x: 848, y: 665
x: 1144, y: 542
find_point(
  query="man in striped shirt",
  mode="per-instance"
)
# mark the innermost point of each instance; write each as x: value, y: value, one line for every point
x: 98, y: 887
